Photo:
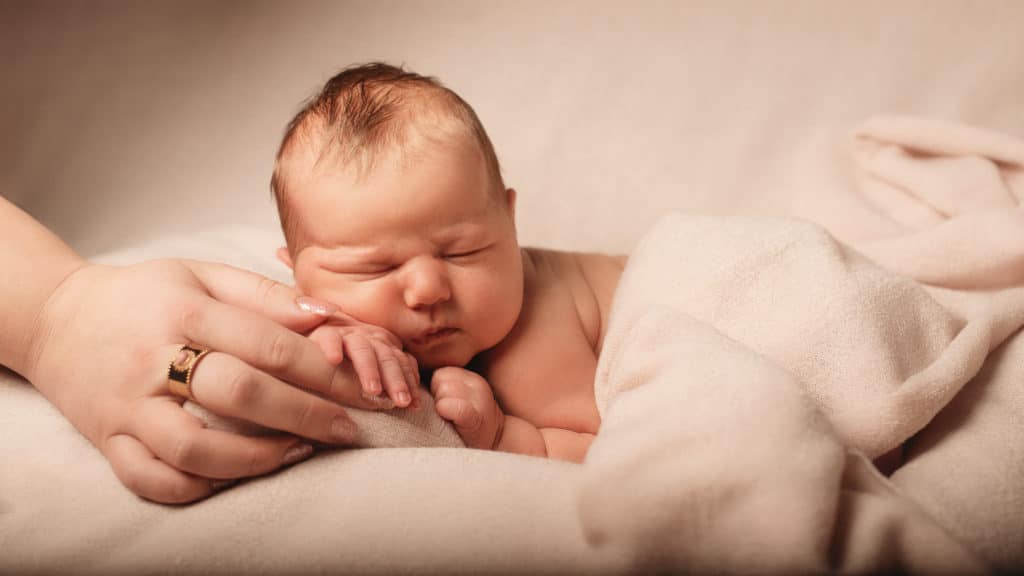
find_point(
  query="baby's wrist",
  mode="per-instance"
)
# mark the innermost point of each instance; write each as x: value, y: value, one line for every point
x: 499, y: 428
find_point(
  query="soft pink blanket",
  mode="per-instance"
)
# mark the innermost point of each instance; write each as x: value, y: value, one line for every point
x: 753, y: 368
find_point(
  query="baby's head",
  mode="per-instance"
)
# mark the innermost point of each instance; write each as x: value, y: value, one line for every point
x: 393, y: 208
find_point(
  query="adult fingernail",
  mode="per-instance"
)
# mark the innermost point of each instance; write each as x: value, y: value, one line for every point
x: 314, y: 306
x: 218, y: 485
x: 297, y: 453
x: 343, y: 429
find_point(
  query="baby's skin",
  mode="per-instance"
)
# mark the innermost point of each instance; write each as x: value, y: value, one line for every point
x: 423, y: 250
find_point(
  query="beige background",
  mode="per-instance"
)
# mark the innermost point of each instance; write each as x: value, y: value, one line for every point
x: 125, y: 120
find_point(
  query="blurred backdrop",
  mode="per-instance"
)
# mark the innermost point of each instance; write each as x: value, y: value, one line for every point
x: 124, y: 120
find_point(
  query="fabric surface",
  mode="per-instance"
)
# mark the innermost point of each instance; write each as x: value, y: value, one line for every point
x: 704, y: 399
x: 752, y: 366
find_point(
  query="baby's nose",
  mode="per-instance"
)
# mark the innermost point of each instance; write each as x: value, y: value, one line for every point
x: 426, y: 283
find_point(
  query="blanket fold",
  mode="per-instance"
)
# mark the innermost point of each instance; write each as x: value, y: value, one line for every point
x: 753, y: 368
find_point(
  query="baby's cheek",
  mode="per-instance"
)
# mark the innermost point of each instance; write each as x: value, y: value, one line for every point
x: 374, y: 303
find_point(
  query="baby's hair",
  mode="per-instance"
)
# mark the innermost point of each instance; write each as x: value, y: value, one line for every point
x: 366, y: 110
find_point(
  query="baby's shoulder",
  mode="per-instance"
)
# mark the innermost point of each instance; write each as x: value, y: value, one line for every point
x: 583, y: 281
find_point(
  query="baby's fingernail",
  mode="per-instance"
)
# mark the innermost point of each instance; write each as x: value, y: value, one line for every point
x: 297, y: 453
x: 343, y: 430
x: 379, y: 402
x: 415, y: 405
x: 373, y: 387
x: 314, y: 306
x: 403, y: 399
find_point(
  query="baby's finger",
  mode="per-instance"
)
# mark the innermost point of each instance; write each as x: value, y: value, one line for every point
x: 459, y: 412
x: 409, y: 368
x: 386, y: 336
x: 364, y: 359
x: 393, y: 375
x: 447, y: 387
x: 330, y: 344
x: 412, y: 376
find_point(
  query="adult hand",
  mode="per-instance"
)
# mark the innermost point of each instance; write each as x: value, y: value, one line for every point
x: 101, y: 349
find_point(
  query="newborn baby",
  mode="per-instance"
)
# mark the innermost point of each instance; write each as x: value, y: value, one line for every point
x: 394, y: 209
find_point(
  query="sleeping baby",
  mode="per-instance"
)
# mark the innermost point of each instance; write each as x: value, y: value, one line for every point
x: 394, y: 209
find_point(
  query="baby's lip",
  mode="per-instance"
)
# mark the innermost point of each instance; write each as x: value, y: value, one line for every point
x: 432, y: 335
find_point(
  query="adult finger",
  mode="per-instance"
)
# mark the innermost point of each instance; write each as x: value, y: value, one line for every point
x: 257, y: 293
x: 144, y: 474
x: 180, y: 440
x: 263, y: 344
x: 227, y: 386
x: 392, y: 374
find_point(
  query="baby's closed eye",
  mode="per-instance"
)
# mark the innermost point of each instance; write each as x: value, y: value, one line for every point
x: 465, y: 254
x: 364, y: 271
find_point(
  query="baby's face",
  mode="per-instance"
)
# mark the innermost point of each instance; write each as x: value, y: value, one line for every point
x: 419, y: 246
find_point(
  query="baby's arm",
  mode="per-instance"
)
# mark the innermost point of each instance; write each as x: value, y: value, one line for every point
x: 465, y: 398
x: 522, y: 437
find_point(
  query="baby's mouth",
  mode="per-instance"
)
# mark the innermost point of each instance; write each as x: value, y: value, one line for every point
x: 433, y: 336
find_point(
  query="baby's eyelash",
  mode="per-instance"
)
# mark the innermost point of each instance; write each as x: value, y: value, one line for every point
x: 366, y: 273
x: 377, y: 270
x: 466, y: 253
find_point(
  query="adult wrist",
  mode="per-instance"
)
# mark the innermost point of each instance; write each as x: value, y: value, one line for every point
x: 27, y: 351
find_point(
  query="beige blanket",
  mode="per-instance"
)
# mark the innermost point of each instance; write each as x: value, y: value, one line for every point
x: 745, y: 386
x: 752, y: 368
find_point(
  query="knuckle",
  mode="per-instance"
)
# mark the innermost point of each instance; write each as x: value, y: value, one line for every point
x: 190, y: 318
x: 253, y: 461
x: 242, y: 389
x: 184, y: 451
x: 278, y: 352
x: 266, y: 287
x: 388, y: 363
x: 446, y: 372
x: 303, y: 417
x: 357, y: 343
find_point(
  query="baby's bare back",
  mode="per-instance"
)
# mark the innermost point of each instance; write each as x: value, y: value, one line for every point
x: 544, y: 370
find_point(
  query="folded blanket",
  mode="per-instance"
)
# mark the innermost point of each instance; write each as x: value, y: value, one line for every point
x: 752, y: 367
x: 874, y: 350
x: 955, y: 190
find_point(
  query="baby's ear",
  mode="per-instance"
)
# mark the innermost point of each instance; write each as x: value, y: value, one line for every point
x: 510, y: 200
x: 285, y: 257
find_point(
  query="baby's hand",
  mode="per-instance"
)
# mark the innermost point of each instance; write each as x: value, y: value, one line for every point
x: 376, y: 355
x: 465, y: 398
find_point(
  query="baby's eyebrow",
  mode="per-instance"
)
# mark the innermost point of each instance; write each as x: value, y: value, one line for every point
x: 468, y: 232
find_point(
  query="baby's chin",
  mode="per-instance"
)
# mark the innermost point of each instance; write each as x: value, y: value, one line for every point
x: 432, y: 359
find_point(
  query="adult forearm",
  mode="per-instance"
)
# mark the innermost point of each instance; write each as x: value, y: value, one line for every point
x: 33, y: 262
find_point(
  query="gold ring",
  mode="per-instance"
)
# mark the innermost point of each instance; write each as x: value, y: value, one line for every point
x: 179, y: 372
